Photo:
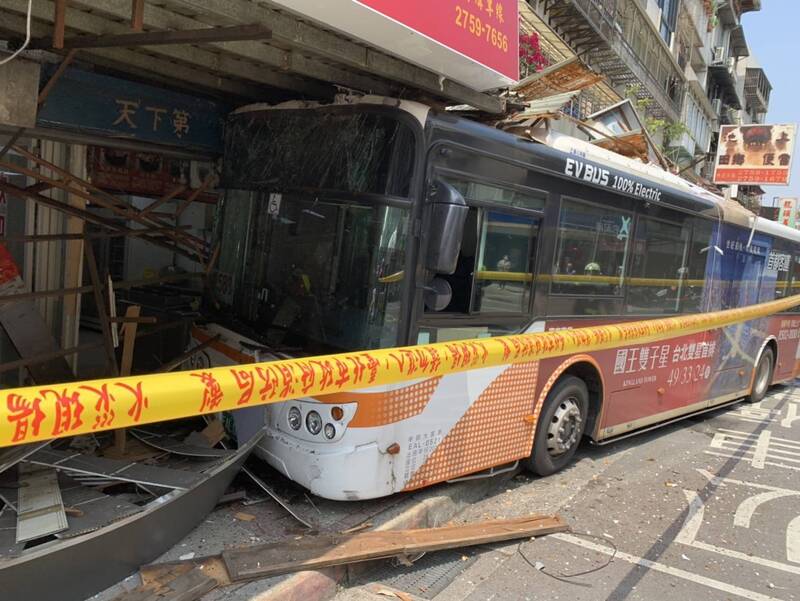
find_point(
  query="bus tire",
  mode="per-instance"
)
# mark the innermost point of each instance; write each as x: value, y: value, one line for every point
x: 560, y: 427
x: 762, y: 375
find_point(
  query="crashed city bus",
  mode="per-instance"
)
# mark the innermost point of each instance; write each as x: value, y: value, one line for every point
x: 379, y: 223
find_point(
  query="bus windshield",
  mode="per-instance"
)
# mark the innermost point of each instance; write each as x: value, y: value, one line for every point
x: 308, y: 250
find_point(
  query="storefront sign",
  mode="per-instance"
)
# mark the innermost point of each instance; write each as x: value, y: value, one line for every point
x: 754, y: 154
x: 475, y: 42
x: 107, y: 106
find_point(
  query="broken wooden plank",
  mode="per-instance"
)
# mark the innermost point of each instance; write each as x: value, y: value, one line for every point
x: 188, y: 586
x: 158, y: 575
x: 59, y: 21
x: 137, y: 15
x: 325, y: 550
x: 100, y: 306
x: 40, y: 510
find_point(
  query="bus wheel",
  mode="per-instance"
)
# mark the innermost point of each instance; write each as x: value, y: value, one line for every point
x: 560, y: 427
x: 762, y: 376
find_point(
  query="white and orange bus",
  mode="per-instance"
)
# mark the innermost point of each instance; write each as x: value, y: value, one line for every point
x: 381, y: 223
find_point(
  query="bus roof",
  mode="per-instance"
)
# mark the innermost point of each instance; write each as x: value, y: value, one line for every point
x: 566, y: 146
x: 562, y: 147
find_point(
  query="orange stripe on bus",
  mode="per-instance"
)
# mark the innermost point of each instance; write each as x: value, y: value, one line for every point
x: 387, y: 407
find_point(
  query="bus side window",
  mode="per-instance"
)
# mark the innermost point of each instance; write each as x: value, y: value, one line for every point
x: 658, y: 280
x: 592, y: 249
x: 494, y: 273
x: 698, y: 257
x: 505, y: 263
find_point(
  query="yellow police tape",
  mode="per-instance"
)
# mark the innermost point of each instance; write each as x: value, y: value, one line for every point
x: 53, y: 411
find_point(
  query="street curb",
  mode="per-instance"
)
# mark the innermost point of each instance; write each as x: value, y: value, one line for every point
x: 434, y: 508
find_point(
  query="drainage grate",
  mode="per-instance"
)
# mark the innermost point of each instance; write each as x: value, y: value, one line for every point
x: 428, y: 576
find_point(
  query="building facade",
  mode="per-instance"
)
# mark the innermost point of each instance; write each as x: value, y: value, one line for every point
x: 686, y: 62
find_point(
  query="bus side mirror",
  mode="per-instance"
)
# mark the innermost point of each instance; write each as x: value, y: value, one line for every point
x: 448, y: 215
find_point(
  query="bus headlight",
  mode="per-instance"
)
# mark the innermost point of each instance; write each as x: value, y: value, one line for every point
x: 330, y: 431
x: 295, y: 418
x: 313, y: 422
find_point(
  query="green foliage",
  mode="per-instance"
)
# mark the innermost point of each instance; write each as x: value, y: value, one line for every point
x: 654, y: 126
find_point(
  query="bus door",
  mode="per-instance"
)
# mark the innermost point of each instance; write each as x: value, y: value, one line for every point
x: 488, y: 293
x: 739, y: 272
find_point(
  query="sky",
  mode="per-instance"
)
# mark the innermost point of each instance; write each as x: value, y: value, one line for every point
x: 773, y: 35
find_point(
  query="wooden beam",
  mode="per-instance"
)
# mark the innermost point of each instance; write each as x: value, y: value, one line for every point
x: 220, y: 72
x: 317, y: 551
x: 59, y: 20
x: 15, y: 191
x: 17, y: 135
x: 183, y: 358
x: 48, y: 87
x: 99, y: 300
x: 166, y: 198
x: 39, y: 187
x: 325, y: 550
x: 206, y: 35
x: 123, y: 285
x: 137, y: 15
x: 45, y: 357
x: 97, y: 196
x: 126, y: 364
x: 193, y: 196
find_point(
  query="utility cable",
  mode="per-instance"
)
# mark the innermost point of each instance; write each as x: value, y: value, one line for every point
x: 566, y: 577
x: 8, y: 59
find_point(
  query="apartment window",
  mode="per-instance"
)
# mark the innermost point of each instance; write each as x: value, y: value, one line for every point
x: 669, y: 15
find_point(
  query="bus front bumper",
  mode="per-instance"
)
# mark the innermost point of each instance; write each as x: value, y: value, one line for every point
x: 340, y: 471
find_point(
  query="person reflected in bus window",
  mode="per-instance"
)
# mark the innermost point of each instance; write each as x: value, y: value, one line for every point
x: 504, y: 266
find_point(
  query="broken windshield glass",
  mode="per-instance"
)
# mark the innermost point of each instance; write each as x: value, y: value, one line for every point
x: 311, y: 273
x: 323, y: 149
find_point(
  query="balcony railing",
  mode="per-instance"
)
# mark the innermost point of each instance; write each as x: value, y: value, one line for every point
x: 757, y: 89
x: 623, y: 28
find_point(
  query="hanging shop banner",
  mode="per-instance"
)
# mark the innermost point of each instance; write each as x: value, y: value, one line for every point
x: 106, y: 106
x: 474, y: 42
x: 755, y: 154
x: 788, y: 211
